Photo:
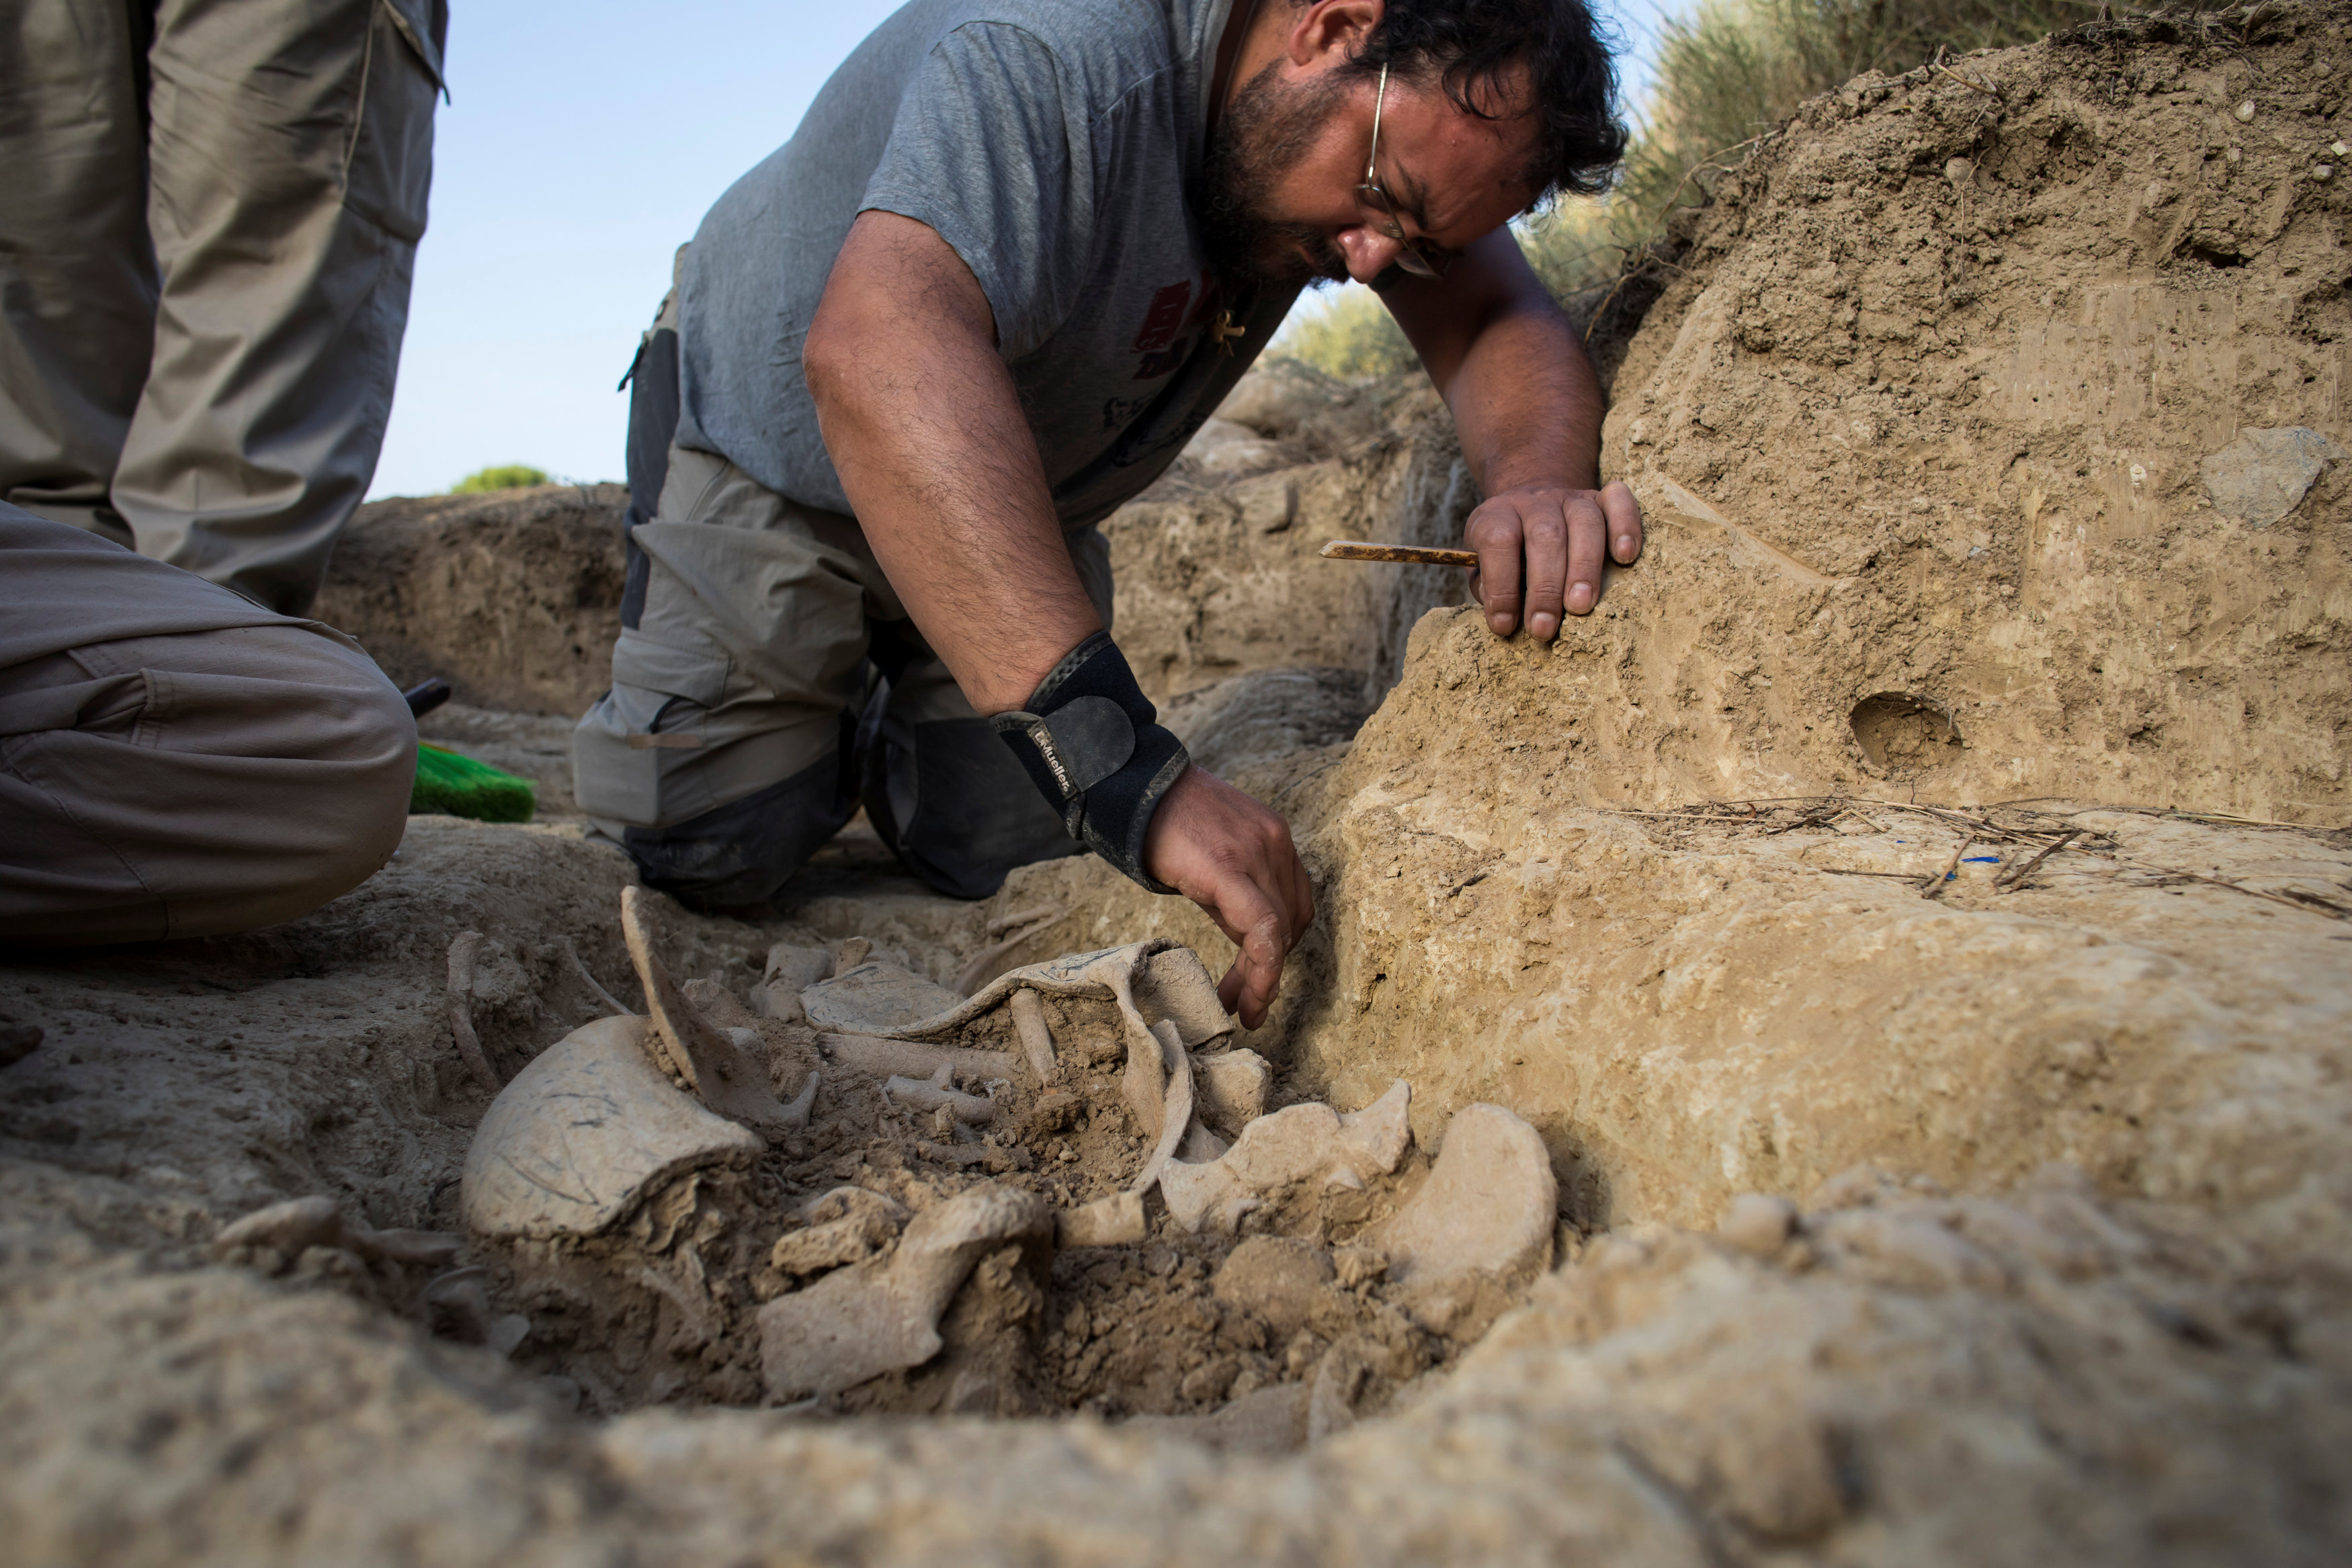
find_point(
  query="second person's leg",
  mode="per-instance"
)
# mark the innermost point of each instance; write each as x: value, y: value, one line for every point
x: 290, y: 154
x: 943, y: 789
x: 77, y: 272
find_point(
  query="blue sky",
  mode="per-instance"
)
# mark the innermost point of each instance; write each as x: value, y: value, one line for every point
x: 580, y: 147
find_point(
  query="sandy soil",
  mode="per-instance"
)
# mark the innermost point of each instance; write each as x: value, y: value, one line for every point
x: 1942, y: 1175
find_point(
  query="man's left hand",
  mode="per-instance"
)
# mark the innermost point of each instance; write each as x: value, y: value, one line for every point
x: 1540, y: 550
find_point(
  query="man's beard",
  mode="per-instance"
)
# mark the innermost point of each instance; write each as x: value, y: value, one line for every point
x: 1261, y: 135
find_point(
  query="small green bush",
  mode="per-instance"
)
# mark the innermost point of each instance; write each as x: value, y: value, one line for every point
x: 510, y: 476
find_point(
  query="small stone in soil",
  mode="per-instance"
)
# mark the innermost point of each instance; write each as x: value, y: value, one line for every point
x: 1758, y: 1224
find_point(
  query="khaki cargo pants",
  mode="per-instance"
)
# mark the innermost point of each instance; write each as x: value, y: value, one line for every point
x: 175, y: 761
x: 209, y: 212
x: 767, y: 681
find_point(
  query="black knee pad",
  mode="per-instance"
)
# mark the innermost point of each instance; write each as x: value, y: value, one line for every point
x: 743, y: 851
x: 954, y: 805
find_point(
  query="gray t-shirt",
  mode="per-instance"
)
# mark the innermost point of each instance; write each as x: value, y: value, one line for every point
x: 1050, y: 143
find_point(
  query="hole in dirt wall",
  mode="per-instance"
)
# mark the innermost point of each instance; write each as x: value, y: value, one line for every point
x: 1904, y: 734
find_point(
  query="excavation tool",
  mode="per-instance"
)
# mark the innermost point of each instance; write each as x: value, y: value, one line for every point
x: 458, y: 786
x: 425, y: 696
x: 1413, y: 555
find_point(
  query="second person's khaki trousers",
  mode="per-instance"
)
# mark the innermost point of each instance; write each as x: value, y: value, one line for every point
x: 209, y: 212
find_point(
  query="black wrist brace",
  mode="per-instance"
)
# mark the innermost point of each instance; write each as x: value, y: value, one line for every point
x: 1090, y: 742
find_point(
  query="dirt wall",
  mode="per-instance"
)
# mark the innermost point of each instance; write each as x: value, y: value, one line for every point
x: 1216, y: 569
x: 514, y: 597
x: 1963, y: 432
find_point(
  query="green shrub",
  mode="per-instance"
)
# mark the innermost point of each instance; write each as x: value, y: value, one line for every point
x: 511, y: 476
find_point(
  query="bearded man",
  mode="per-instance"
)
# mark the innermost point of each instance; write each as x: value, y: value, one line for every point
x: 1008, y: 264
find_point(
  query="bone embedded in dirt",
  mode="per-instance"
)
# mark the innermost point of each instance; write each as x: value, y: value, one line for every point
x: 1267, y: 1421
x: 1282, y: 1278
x: 1292, y: 1145
x: 1116, y: 1220
x: 1358, y: 1264
x: 873, y: 997
x: 2264, y: 475
x: 1201, y: 1145
x: 796, y: 1110
x: 1173, y: 984
x: 1758, y: 1223
x: 1338, y: 1379
x: 989, y: 962
x: 927, y: 1095
x: 1230, y: 1086
x: 290, y: 1227
x: 915, y: 1058
x: 719, y: 1007
x: 879, y: 1316
x: 791, y: 966
x: 848, y: 1224
x: 457, y: 1303
x: 1374, y: 1138
x: 584, y: 1133
x: 789, y: 970
x: 1036, y: 1037
x: 1488, y: 1207
x: 464, y: 950
x: 1176, y: 1105
x: 1143, y: 1081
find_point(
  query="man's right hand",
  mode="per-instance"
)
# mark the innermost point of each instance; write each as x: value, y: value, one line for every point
x: 1234, y: 857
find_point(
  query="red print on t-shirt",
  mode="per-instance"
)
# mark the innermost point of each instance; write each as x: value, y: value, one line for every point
x: 1164, y: 320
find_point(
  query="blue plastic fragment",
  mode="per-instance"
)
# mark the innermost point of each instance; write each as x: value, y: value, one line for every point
x: 1982, y: 860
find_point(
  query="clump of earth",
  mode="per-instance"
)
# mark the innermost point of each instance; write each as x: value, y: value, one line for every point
x: 1871, y: 1003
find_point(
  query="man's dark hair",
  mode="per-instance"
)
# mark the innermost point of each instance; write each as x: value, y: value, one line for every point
x: 1472, y: 48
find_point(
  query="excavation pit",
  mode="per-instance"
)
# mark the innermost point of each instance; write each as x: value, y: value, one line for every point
x: 949, y: 1216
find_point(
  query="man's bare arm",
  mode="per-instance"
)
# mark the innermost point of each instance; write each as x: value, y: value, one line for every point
x: 1529, y: 410
x: 925, y: 427
x: 920, y: 417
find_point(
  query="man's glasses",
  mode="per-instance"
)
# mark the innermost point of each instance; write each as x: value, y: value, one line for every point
x: 1410, y: 257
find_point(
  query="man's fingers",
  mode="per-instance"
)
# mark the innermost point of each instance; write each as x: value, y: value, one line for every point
x: 1258, y: 930
x: 1541, y: 553
x: 1493, y: 533
x: 1232, y: 857
x: 1624, y: 514
x: 1261, y: 965
x: 1546, y: 547
x: 1588, y: 546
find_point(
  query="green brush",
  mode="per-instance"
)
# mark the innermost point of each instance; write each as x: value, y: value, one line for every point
x: 460, y: 787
